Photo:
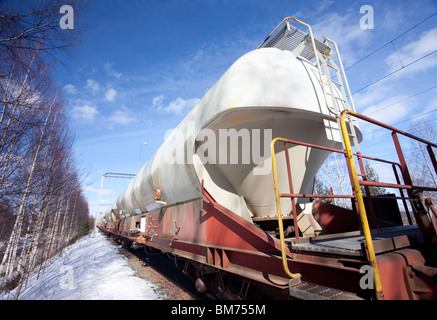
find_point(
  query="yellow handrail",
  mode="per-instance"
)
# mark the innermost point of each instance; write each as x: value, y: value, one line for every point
x: 358, y: 195
x: 361, y: 208
x: 278, y: 207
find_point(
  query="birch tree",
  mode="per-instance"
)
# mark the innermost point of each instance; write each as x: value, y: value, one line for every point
x: 333, y: 175
x: 12, y: 247
x: 421, y: 169
x: 41, y: 202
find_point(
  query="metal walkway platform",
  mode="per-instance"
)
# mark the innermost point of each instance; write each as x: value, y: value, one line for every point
x: 309, y: 291
x: 353, y: 243
x: 290, y: 37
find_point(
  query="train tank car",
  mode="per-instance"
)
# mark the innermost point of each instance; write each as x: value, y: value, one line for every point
x: 266, y: 93
x: 210, y: 197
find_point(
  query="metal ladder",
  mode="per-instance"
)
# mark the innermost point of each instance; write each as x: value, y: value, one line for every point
x: 305, y: 45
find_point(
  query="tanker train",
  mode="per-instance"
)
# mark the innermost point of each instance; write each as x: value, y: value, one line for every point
x: 230, y: 193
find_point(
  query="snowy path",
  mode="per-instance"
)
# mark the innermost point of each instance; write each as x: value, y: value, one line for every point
x: 90, y: 269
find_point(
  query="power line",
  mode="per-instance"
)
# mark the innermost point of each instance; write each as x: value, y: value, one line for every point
x: 373, y: 52
x: 391, y: 42
x: 392, y: 104
x: 384, y: 138
x: 412, y: 96
x: 402, y: 121
x: 391, y: 73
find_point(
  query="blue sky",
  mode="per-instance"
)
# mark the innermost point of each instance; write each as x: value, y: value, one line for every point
x: 143, y: 64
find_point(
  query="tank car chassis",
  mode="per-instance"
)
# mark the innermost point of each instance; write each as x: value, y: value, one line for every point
x: 372, y: 251
x: 234, y: 259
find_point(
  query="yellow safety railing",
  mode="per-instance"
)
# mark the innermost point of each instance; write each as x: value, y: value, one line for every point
x: 349, y: 154
x: 358, y: 196
x: 279, y: 211
x: 360, y: 201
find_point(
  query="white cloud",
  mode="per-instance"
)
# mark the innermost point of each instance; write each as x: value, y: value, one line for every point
x: 110, y: 70
x: 345, y: 31
x: 426, y: 44
x: 93, y: 86
x: 177, y: 106
x: 110, y: 94
x: 71, y: 89
x: 157, y: 101
x: 95, y: 190
x: 392, y: 18
x: 122, y: 116
x: 375, y: 94
x: 85, y: 112
x: 388, y: 110
x: 188, y: 65
x: 384, y: 103
x: 424, y: 115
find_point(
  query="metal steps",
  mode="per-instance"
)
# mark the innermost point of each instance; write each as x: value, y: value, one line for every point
x: 353, y: 243
x: 309, y: 291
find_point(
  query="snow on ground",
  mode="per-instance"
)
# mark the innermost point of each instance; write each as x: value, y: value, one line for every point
x: 90, y: 269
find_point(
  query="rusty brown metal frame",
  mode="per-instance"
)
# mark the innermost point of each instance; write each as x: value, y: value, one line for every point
x: 402, y: 165
x: 291, y: 193
x: 396, y: 142
x: 257, y: 263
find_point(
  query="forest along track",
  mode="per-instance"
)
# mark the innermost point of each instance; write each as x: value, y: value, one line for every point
x: 162, y: 272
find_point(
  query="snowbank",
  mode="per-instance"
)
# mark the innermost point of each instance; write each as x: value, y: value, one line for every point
x: 90, y: 269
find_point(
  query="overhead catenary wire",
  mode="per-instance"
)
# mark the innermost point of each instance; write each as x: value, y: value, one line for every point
x: 391, y: 153
x: 397, y: 70
x: 375, y: 138
x: 382, y: 137
x: 411, y: 118
x: 391, y: 41
x: 394, y: 103
x: 388, y: 43
x: 386, y: 137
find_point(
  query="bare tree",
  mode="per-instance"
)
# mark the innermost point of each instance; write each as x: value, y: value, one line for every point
x: 41, y: 202
x: 12, y: 247
x: 35, y: 24
x: 333, y: 175
x: 421, y: 169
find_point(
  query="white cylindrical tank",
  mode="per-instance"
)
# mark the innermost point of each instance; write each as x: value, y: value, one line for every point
x: 265, y: 94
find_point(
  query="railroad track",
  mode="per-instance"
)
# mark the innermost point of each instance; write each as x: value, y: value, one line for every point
x: 160, y: 270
